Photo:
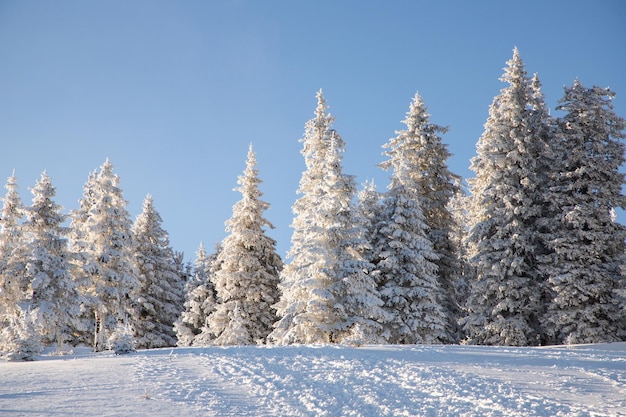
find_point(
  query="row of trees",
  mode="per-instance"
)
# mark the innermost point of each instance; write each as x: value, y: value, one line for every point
x: 533, y: 255
x: 101, y: 278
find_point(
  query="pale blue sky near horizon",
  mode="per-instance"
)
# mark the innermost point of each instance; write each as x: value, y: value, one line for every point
x: 173, y: 92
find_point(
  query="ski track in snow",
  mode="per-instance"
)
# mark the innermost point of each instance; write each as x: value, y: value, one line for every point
x: 323, y: 381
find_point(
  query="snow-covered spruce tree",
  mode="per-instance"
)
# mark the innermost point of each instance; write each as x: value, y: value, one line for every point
x: 52, y: 296
x: 586, y: 264
x: 507, y: 299
x: 161, y: 295
x: 22, y: 340
x: 327, y: 295
x: 246, y: 283
x: 428, y: 178
x: 106, y: 273
x: 357, y: 291
x: 199, y: 302
x: 206, y: 336
x: 81, y: 249
x: 405, y: 268
x: 10, y: 235
x: 122, y: 339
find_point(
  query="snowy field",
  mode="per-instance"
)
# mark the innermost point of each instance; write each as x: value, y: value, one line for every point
x: 588, y: 380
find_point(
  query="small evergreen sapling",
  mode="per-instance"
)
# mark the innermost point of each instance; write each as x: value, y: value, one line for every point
x: 122, y: 340
x: 22, y: 339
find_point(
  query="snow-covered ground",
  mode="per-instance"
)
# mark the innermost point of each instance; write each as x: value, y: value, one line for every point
x: 588, y: 380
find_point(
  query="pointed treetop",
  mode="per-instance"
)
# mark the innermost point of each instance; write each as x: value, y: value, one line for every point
x: 251, y: 162
x: 320, y: 111
x: 148, y: 201
x: 417, y: 114
x: 11, y: 181
x: 107, y: 166
x: 515, y: 69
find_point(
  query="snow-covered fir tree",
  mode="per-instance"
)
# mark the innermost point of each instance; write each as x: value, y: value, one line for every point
x: 52, y: 294
x: 10, y: 236
x: 405, y: 269
x: 508, y: 294
x: 40, y: 287
x: 246, y: 283
x: 585, y: 266
x: 81, y: 249
x: 357, y: 291
x: 107, y: 274
x: 199, y: 302
x: 421, y: 149
x: 161, y: 295
x: 22, y: 340
x: 208, y: 298
x: 326, y: 297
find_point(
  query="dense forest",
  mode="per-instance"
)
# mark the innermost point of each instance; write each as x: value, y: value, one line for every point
x: 529, y: 253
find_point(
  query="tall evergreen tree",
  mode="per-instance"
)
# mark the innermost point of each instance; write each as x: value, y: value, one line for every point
x: 420, y: 147
x: 405, y: 271
x: 307, y: 306
x: 247, y: 281
x: 508, y: 294
x: 107, y: 272
x: 585, y: 266
x: 200, y: 300
x: 81, y: 249
x: 41, y: 288
x: 53, y: 295
x: 326, y: 294
x: 161, y: 295
x: 357, y: 291
x: 207, y: 298
x: 10, y: 236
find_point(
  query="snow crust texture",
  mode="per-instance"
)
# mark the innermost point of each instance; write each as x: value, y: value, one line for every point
x: 418, y: 380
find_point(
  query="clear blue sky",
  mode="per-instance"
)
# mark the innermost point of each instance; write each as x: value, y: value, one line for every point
x: 173, y: 92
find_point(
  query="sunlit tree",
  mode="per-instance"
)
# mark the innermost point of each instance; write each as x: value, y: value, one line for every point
x: 246, y: 282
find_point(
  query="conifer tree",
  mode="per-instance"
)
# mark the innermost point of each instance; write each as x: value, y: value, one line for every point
x: 405, y: 271
x: 326, y: 294
x: 40, y: 288
x: 10, y: 236
x: 308, y: 298
x: 420, y: 147
x: 357, y: 292
x: 82, y: 252
x: 246, y: 283
x: 585, y: 265
x: 161, y: 295
x: 508, y: 294
x: 199, y: 299
x: 22, y: 340
x: 207, y: 299
x: 52, y: 294
x: 107, y: 273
